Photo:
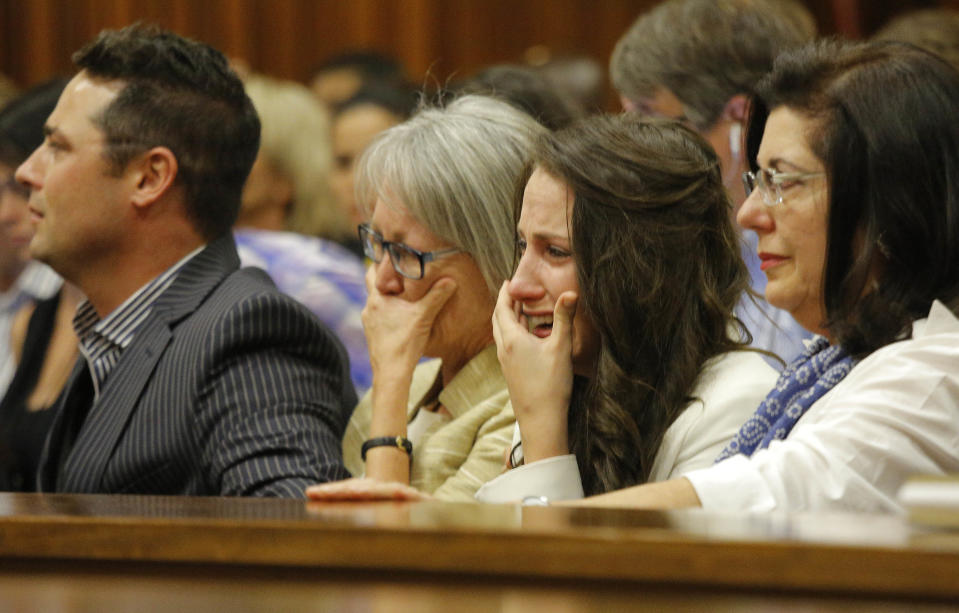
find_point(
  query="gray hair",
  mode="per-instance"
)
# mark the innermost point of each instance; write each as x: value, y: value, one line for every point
x: 935, y: 30
x: 455, y: 169
x: 706, y: 51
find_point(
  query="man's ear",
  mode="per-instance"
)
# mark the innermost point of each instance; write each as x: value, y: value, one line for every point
x: 736, y: 107
x: 153, y: 173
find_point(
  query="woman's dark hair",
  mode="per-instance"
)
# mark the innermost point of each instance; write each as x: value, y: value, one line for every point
x: 887, y: 132
x: 660, y: 272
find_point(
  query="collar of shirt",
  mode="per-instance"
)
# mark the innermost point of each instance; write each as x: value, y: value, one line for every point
x: 103, y: 340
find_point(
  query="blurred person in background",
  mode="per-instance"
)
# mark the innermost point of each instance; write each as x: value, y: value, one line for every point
x: 356, y: 122
x: 40, y: 342
x: 935, y: 30
x: 698, y: 61
x: 289, y: 186
x: 579, y: 78
x: 527, y: 90
x: 22, y: 280
x: 288, y: 224
x: 8, y: 90
x: 340, y: 77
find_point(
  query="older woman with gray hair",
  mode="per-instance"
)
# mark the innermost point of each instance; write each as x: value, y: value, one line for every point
x: 438, y: 193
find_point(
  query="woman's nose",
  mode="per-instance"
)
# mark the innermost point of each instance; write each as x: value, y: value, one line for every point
x: 754, y: 214
x: 526, y: 284
x: 388, y: 281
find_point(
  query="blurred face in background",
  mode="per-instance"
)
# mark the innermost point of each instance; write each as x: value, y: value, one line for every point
x: 16, y: 231
x: 725, y: 134
x: 267, y: 197
x: 353, y: 130
x: 334, y: 86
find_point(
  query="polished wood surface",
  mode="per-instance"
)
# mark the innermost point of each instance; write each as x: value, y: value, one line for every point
x: 110, y: 588
x: 189, y: 550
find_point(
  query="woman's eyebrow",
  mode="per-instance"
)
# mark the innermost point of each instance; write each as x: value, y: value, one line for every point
x: 776, y: 163
x: 547, y: 236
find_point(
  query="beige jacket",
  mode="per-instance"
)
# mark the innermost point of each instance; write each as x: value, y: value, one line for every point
x: 456, y: 456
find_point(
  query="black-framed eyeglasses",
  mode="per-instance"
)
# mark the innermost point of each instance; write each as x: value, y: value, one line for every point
x: 770, y: 183
x: 407, y: 261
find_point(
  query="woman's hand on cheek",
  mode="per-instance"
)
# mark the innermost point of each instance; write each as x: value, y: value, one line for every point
x: 396, y: 329
x: 538, y: 372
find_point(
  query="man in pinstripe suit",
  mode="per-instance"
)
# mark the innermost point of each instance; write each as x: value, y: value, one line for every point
x: 196, y: 377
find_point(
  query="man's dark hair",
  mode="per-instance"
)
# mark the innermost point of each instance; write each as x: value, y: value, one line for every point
x: 182, y: 95
x: 887, y: 132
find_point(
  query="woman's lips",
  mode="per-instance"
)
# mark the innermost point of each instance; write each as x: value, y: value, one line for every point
x: 540, y: 325
x: 543, y: 331
x: 769, y: 260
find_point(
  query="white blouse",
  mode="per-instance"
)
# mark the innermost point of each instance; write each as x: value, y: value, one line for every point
x: 728, y: 391
x: 895, y: 415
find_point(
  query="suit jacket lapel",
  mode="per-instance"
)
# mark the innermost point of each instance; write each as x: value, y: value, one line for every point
x: 125, y: 385
x: 108, y: 417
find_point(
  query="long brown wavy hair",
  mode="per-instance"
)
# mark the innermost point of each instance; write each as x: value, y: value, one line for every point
x: 660, y: 272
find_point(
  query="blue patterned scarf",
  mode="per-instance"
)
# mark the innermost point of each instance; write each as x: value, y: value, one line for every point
x: 819, y: 368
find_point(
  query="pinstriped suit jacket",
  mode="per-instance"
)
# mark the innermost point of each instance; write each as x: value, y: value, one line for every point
x: 228, y: 388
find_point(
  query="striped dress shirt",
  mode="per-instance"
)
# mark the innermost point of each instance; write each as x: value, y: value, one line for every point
x: 103, y: 341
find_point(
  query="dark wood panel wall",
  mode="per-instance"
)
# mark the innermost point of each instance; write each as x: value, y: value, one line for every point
x: 288, y: 37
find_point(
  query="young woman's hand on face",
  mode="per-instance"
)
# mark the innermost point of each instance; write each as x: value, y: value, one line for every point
x: 397, y: 330
x: 538, y: 372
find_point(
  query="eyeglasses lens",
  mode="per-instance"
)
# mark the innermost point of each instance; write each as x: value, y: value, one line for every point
x: 372, y: 245
x: 770, y: 190
x: 405, y: 261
